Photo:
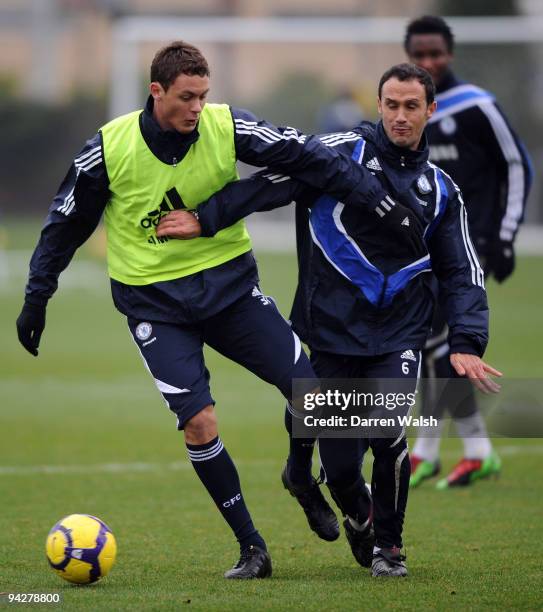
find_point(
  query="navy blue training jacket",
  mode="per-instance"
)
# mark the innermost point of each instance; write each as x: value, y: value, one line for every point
x: 359, y: 292
x: 471, y: 139
x: 84, y: 194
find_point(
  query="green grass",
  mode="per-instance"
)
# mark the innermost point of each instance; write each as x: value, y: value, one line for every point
x: 87, y: 401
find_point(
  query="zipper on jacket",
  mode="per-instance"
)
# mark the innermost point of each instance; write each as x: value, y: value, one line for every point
x: 174, y: 162
x: 382, y: 296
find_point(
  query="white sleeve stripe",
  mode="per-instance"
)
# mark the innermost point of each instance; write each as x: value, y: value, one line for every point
x: 337, y: 135
x: 480, y: 271
x: 65, y: 203
x: 251, y: 133
x: 70, y: 207
x: 503, y: 134
x: 242, y: 122
x: 338, y: 142
x: 339, y: 139
x: 471, y: 253
x: 477, y: 275
x: 87, y: 154
x: 390, y: 200
x: 246, y: 128
x: 511, y: 153
x: 292, y: 131
x: 84, y: 164
x: 277, y: 178
x: 263, y: 130
x: 65, y: 206
x: 93, y: 158
x: 466, y: 246
x: 269, y: 136
x: 95, y: 162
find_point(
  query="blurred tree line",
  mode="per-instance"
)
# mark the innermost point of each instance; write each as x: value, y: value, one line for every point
x: 38, y: 143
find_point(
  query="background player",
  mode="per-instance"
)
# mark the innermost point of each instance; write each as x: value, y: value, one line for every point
x: 471, y: 139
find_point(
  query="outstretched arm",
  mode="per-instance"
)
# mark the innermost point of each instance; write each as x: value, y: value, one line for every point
x: 262, y: 191
x: 318, y: 163
x: 462, y: 291
x: 73, y: 216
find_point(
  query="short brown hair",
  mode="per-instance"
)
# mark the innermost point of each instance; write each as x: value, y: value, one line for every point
x: 177, y: 58
x: 410, y: 72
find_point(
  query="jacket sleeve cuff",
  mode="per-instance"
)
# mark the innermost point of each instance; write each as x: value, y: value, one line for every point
x: 465, y: 344
x: 36, y: 300
x: 207, y: 221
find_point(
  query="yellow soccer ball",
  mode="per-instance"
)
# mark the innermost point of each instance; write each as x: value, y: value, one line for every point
x: 81, y: 548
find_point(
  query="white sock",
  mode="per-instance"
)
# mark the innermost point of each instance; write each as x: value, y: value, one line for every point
x: 428, y: 441
x: 473, y: 432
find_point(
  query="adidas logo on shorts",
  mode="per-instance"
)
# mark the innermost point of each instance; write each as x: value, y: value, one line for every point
x: 258, y: 294
x: 408, y: 355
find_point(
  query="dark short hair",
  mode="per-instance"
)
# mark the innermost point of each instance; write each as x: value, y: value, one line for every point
x: 177, y: 58
x: 410, y: 72
x: 429, y: 24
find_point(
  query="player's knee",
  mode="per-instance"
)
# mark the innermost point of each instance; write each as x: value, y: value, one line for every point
x: 202, y: 427
x: 340, y: 469
x: 341, y: 477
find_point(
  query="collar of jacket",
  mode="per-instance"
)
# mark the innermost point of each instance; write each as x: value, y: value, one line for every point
x: 169, y: 146
x: 447, y: 82
x: 400, y: 157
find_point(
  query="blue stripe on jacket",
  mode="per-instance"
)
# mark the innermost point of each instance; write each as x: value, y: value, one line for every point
x: 348, y: 259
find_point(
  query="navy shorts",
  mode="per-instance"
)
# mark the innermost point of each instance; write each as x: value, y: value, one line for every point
x: 251, y: 332
x: 345, y: 455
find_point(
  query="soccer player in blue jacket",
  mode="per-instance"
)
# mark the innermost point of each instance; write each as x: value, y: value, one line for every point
x: 472, y: 140
x: 364, y: 303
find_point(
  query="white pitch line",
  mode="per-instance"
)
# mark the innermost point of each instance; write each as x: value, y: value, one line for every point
x: 176, y: 466
x: 92, y: 468
x: 105, y: 468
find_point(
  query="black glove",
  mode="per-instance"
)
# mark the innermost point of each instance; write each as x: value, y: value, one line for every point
x: 403, y: 223
x: 30, y: 325
x: 501, y: 260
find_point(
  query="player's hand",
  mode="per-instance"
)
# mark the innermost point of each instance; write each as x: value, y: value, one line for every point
x: 30, y: 326
x: 180, y: 224
x: 501, y: 261
x: 403, y: 224
x: 474, y: 368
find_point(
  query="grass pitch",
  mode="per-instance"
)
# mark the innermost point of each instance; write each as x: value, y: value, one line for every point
x: 84, y: 430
